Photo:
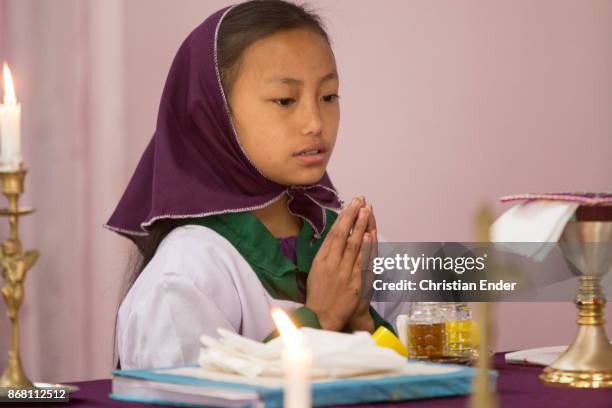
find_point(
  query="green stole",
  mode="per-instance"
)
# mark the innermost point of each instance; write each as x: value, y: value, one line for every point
x: 277, y: 273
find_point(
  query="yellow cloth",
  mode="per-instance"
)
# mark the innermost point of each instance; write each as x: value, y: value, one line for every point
x: 385, y: 338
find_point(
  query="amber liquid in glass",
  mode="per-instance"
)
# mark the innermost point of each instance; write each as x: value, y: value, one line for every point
x: 426, y: 340
x: 459, y: 339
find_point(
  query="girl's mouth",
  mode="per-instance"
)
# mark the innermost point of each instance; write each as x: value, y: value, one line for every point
x: 311, y: 156
x: 310, y: 152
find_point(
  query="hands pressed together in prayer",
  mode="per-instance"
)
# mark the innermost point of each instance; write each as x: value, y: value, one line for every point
x: 335, y: 287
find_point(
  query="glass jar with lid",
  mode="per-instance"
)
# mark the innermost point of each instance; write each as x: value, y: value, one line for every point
x: 458, y: 329
x: 426, y: 330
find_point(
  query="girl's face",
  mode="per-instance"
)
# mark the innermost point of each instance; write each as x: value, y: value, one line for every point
x: 285, y: 106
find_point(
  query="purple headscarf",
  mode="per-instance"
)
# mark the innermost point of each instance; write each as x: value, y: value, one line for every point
x: 194, y: 165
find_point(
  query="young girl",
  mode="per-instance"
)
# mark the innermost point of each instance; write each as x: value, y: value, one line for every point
x: 230, y: 206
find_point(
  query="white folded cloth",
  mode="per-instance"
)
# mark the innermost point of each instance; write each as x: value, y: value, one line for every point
x: 533, y: 221
x: 334, y: 355
x: 543, y: 356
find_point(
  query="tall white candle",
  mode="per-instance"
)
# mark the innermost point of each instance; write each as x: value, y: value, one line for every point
x: 10, y: 125
x: 297, y: 360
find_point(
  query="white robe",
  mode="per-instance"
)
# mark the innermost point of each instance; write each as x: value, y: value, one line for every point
x: 195, y: 283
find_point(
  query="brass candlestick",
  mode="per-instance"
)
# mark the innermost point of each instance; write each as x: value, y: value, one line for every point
x: 14, y: 264
x: 587, y: 363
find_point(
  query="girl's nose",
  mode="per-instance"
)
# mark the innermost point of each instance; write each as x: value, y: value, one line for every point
x: 312, y: 122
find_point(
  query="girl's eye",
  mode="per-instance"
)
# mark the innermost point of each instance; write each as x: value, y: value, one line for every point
x: 284, y: 101
x: 330, y: 97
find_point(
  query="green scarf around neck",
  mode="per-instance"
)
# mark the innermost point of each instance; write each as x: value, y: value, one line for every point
x: 277, y: 273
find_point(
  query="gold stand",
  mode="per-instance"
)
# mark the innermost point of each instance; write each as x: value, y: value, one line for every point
x: 14, y: 264
x: 587, y: 363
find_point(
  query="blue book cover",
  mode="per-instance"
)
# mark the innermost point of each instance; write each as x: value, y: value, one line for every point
x: 191, y: 386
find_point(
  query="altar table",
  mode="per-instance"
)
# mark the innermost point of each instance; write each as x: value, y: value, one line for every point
x: 517, y: 386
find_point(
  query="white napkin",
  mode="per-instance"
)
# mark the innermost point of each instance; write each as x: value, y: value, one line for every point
x: 543, y: 356
x: 333, y: 354
x: 533, y: 221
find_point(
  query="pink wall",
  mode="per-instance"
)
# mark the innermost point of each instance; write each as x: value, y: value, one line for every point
x: 445, y: 105
x: 448, y: 105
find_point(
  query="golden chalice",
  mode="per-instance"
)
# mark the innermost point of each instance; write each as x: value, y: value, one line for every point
x: 587, y: 363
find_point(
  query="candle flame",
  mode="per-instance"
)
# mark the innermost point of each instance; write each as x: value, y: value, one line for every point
x: 289, y: 333
x: 9, y: 88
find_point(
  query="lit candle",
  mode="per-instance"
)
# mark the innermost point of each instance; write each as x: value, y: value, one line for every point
x: 296, y: 363
x: 10, y: 125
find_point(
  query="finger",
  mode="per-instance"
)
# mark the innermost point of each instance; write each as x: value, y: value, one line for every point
x: 332, y: 234
x: 360, y: 274
x: 371, y: 220
x: 363, y: 204
x: 371, y: 249
x: 353, y: 243
x: 340, y: 231
x: 336, y: 232
x: 356, y: 273
x: 374, y: 251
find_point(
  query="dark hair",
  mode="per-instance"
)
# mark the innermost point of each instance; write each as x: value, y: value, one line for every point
x: 242, y: 26
x: 249, y: 22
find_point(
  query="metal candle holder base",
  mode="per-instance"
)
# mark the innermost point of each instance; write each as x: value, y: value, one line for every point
x: 587, y: 363
x: 14, y: 264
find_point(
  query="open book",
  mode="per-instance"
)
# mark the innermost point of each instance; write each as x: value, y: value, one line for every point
x: 195, y: 386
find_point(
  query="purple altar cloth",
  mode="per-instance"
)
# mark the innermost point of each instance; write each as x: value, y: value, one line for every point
x: 517, y: 386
